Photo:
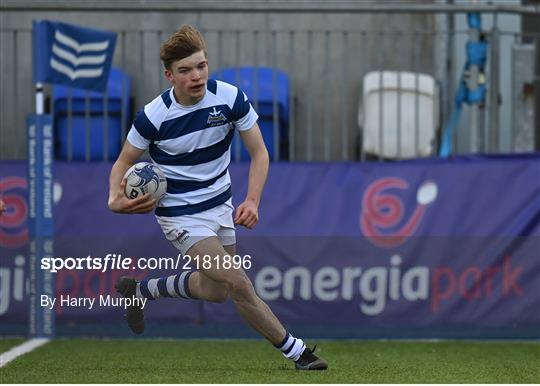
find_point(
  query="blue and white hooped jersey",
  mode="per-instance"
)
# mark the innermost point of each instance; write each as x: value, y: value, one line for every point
x: 191, y: 144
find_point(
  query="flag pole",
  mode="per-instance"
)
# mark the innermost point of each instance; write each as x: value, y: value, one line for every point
x: 48, y: 69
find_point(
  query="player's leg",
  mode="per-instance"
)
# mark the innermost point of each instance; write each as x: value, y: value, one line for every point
x: 222, y: 225
x: 230, y: 249
x: 186, y: 285
x: 198, y: 286
x: 250, y: 306
x: 182, y: 233
x: 205, y: 288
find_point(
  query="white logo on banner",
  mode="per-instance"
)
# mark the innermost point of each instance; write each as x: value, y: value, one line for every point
x: 80, y: 58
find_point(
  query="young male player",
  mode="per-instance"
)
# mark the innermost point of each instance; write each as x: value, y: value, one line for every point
x: 188, y: 131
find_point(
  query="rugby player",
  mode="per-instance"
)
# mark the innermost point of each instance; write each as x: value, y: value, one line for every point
x: 188, y: 131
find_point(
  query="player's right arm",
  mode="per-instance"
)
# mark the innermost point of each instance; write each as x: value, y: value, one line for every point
x: 118, y: 202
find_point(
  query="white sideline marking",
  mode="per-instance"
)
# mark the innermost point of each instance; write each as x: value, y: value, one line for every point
x: 21, y: 349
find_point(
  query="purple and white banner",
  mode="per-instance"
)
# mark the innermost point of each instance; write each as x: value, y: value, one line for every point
x: 428, y: 246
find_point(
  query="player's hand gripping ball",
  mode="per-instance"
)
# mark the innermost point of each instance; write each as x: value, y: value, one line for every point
x: 144, y: 177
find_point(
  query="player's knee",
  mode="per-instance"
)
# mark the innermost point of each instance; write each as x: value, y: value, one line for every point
x: 212, y: 290
x: 241, y: 288
x: 219, y: 295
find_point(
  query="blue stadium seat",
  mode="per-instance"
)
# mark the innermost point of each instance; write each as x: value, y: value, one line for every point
x: 116, y: 98
x: 258, y: 84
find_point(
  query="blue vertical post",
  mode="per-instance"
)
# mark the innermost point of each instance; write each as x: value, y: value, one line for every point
x: 40, y: 219
x: 40, y: 199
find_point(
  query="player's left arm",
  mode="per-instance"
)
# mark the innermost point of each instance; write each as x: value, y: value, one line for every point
x: 247, y: 213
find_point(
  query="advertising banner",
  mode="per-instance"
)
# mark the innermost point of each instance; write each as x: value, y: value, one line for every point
x: 433, y: 248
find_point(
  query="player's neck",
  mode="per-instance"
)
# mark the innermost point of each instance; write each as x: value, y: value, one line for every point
x: 187, y: 100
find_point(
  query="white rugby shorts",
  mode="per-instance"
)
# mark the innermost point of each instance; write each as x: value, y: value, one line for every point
x: 184, y: 231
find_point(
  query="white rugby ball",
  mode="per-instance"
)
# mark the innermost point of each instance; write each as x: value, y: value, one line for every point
x: 145, y: 177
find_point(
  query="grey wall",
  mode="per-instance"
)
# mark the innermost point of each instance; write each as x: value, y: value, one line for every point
x: 326, y: 62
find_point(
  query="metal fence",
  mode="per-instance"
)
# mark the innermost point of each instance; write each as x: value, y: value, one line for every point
x: 326, y: 70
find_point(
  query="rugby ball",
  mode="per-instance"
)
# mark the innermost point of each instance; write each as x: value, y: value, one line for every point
x: 145, y: 177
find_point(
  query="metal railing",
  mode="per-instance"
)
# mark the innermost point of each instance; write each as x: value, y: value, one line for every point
x: 278, y: 6
x: 325, y: 66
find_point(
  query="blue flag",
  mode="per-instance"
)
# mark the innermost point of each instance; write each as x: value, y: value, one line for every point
x: 72, y: 55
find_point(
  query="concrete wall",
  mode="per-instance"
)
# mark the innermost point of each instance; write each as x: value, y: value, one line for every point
x: 325, y: 64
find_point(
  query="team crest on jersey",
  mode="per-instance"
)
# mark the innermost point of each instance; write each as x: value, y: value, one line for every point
x: 216, y: 118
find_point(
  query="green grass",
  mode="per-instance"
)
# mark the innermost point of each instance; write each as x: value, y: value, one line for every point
x: 6, y: 344
x: 235, y: 361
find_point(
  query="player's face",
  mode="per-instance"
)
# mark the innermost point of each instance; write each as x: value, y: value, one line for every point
x: 188, y: 77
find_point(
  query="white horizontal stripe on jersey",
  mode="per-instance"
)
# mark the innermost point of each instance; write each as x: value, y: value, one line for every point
x: 197, y: 140
x: 197, y: 196
x: 200, y: 172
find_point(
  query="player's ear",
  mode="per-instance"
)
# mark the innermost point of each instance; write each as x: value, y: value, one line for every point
x: 168, y: 74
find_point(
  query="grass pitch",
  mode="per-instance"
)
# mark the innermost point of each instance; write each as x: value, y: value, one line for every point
x: 247, y: 361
